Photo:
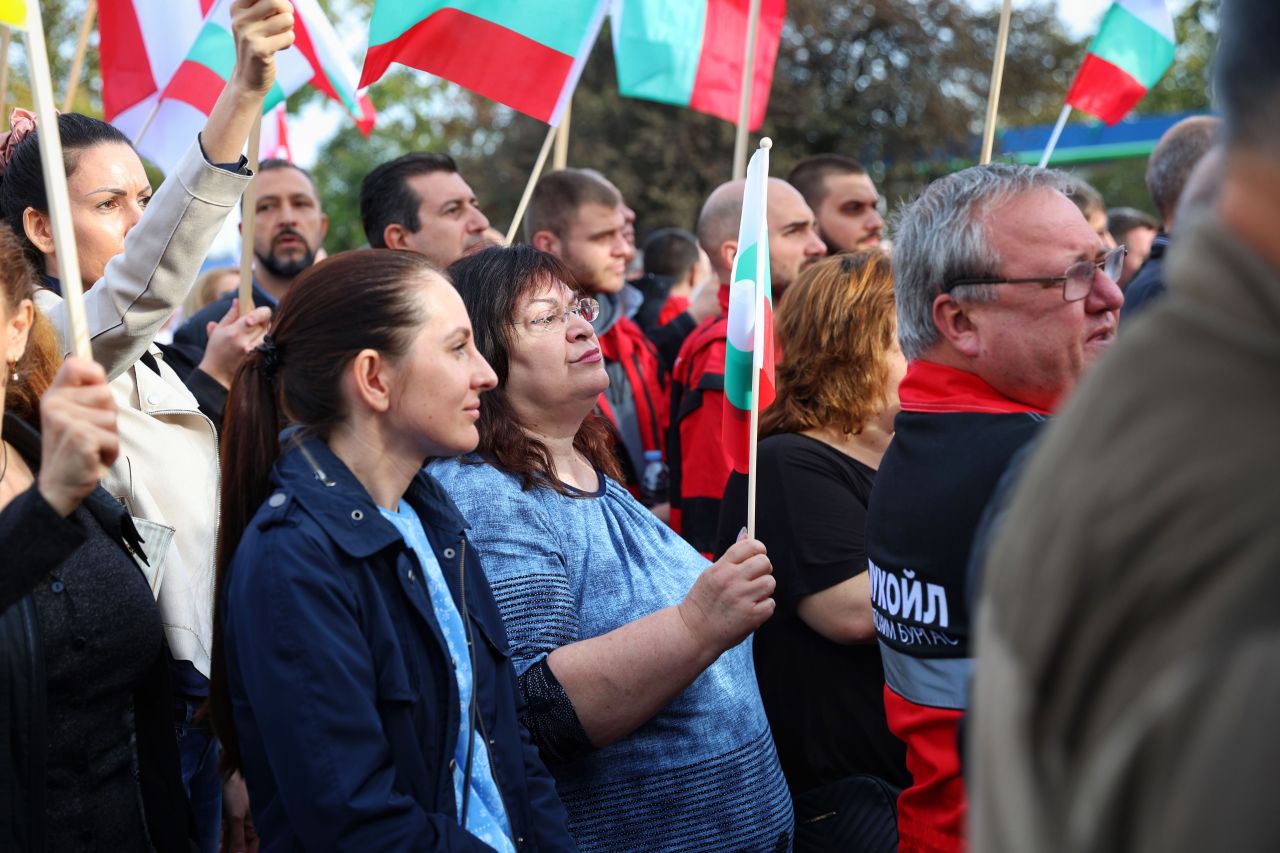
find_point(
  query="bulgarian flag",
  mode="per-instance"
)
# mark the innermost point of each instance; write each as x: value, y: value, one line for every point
x: 163, y: 68
x: 1132, y: 50
x: 750, y: 324
x: 527, y: 54
x: 690, y: 54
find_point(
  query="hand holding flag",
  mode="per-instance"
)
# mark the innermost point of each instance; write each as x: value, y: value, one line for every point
x: 261, y: 28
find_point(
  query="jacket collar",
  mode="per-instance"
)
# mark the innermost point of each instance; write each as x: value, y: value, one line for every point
x: 310, y: 473
x: 932, y: 387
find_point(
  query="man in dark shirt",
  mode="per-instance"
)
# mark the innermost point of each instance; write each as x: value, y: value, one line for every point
x: 1002, y: 302
x: 1168, y: 169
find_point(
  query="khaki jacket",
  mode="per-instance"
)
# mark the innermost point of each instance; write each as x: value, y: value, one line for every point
x: 167, y: 472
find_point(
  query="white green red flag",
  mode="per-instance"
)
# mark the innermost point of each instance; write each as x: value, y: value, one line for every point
x: 527, y: 54
x: 690, y: 54
x: 164, y: 62
x: 1132, y: 50
x: 750, y: 323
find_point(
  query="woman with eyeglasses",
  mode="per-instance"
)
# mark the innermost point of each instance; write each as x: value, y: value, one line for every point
x: 361, y: 680
x: 632, y: 650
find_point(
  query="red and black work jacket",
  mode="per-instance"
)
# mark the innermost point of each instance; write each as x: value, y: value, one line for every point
x: 625, y: 344
x: 952, y: 442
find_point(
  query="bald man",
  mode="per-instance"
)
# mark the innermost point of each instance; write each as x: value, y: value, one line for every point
x: 699, y: 464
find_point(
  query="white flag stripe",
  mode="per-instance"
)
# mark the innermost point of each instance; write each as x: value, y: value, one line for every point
x: 1154, y: 13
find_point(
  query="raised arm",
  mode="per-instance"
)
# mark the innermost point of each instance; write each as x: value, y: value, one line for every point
x: 144, y: 284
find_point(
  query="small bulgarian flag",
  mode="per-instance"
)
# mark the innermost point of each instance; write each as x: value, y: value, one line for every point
x: 527, y: 54
x: 13, y: 13
x: 750, y: 323
x: 1132, y: 50
x: 690, y: 54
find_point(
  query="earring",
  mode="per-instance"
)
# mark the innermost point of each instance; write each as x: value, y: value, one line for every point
x: 13, y: 371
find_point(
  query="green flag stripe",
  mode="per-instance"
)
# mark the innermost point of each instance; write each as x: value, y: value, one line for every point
x: 215, y: 49
x: 658, y: 48
x: 548, y: 22
x: 1130, y: 44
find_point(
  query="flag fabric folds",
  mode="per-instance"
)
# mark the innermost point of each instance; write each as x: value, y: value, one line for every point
x: 1131, y: 52
x: 13, y: 13
x: 750, y: 323
x: 179, y: 54
x: 691, y: 54
x: 527, y: 54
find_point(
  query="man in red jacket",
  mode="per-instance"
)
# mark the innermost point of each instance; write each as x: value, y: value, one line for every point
x: 580, y: 218
x: 1005, y: 295
x: 700, y: 465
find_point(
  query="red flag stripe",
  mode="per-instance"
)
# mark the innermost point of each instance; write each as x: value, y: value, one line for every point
x: 1104, y: 90
x: 196, y: 85
x: 127, y: 77
x: 717, y: 87
x: 478, y: 55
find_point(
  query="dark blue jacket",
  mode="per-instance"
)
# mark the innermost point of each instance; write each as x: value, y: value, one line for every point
x: 343, y: 693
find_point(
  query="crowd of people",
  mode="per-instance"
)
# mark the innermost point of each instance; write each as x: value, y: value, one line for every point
x: 437, y: 546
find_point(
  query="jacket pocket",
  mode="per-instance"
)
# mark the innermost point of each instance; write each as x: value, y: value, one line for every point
x: 156, y: 539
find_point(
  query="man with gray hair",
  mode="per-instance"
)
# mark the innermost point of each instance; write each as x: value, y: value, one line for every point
x: 1005, y: 296
x: 1169, y: 167
x: 1128, y: 677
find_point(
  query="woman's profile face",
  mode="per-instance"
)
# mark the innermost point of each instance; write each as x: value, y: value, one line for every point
x: 442, y: 377
x: 553, y: 362
x: 109, y: 190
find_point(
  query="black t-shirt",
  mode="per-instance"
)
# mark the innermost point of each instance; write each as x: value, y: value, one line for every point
x: 824, y: 700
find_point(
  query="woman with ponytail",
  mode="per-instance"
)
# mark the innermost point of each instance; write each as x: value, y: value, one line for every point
x: 361, y: 680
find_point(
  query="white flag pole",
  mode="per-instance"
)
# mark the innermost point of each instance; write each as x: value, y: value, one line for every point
x: 748, y: 80
x: 758, y: 342
x: 246, y: 218
x: 55, y: 185
x: 533, y: 180
x: 1053, y: 138
x: 997, y: 77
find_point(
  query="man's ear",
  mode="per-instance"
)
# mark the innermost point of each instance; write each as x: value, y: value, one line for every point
x: 39, y: 229
x: 546, y: 241
x: 370, y: 380
x: 728, y: 251
x: 393, y: 237
x: 956, y: 326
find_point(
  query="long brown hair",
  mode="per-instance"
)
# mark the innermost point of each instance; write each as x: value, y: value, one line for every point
x: 41, y: 358
x: 365, y: 299
x: 492, y: 283
x: 835, y: 329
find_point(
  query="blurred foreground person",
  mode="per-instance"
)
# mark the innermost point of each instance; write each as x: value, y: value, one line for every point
x: 139, y: 255
x: 1128, y: 676
x: 1005, y: 296
x: 819, y: 668
x: 89, y: 758
x: 629, y: 645
x: 361, y: 679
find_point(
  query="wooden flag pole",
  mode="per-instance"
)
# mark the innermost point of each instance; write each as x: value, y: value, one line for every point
x: 82, y: 47
x: 748, y: 79
x: 533, y: 180
x: 246, y: 219
x: 55, y: 185
x: 560, y: 157
x: 997, y: 78
x: 1053, y: 137
x: 4, y: 67
x: 757, y: 353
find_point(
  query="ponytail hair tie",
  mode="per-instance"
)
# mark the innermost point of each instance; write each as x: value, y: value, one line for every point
x: 268, y: 358
x: 22, y: 123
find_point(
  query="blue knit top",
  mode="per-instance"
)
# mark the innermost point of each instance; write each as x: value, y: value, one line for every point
x: 700, y: 775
